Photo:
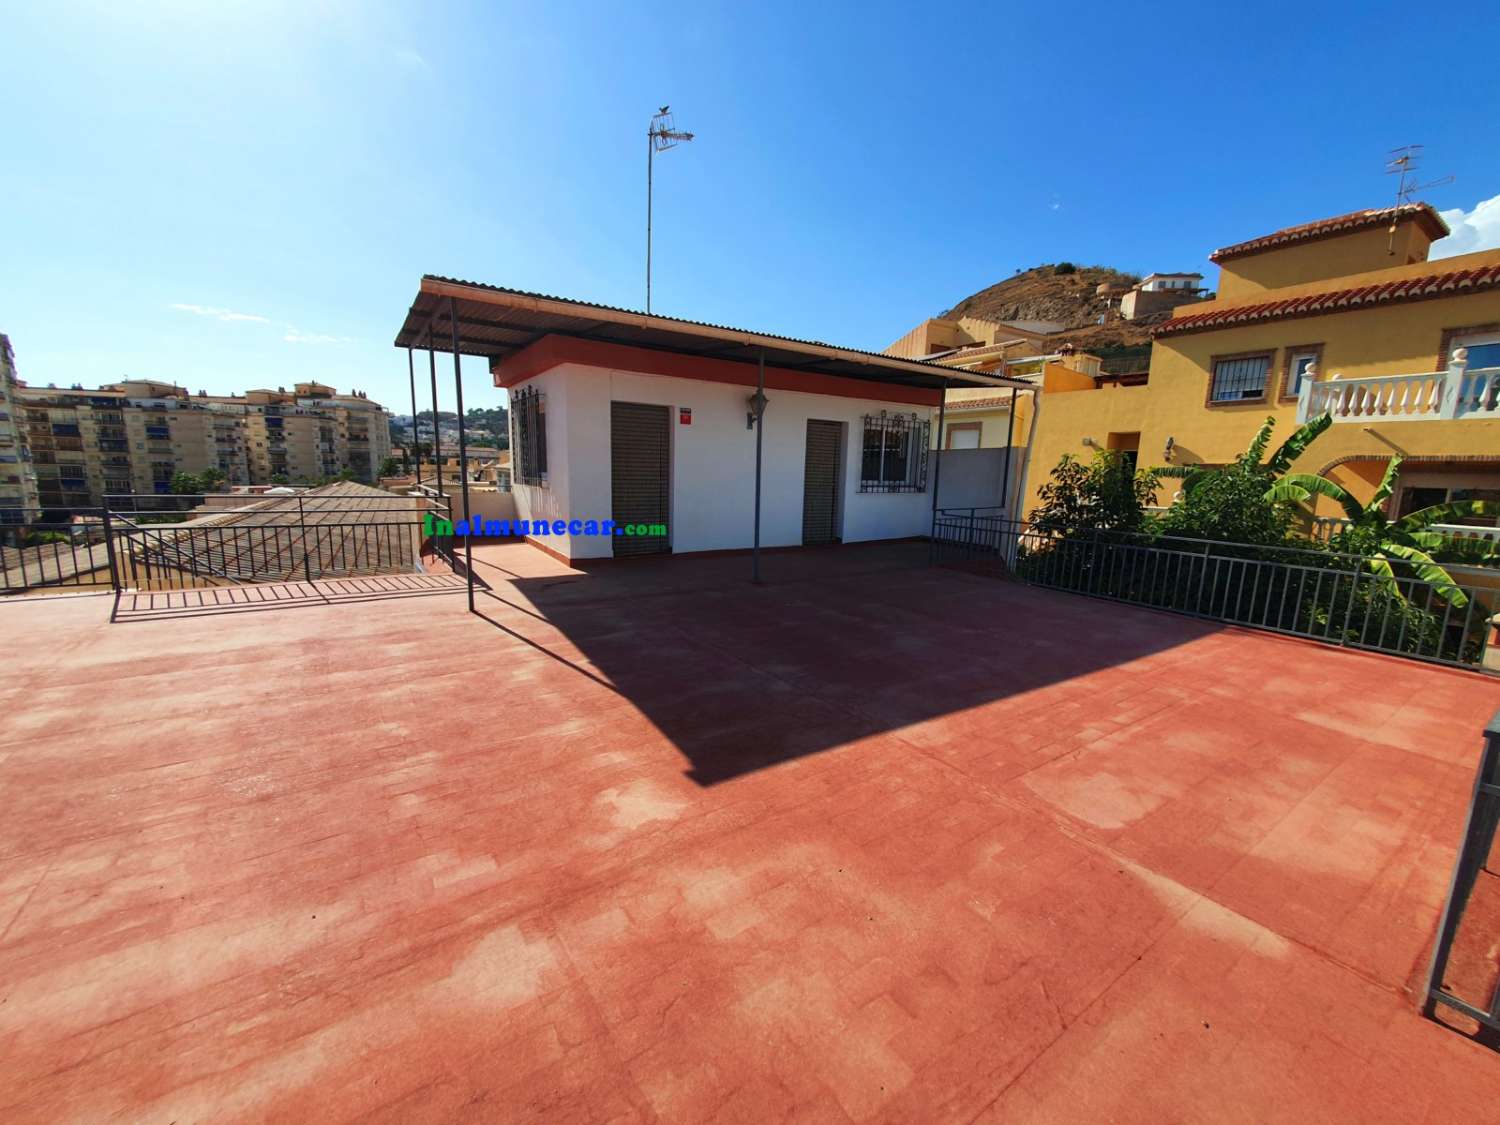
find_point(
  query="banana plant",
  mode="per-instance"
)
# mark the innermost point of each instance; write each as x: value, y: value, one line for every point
x: 1289, y: 450
x: 1409, y: 540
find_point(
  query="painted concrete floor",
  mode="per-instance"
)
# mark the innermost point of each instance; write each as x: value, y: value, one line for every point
x: 871, y: 842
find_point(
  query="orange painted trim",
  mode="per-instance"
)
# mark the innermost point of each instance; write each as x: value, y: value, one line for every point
x: 552, y: 351
x: 546, y: 550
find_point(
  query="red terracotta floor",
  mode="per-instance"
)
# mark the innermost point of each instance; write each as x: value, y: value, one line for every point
x: 871, y: 842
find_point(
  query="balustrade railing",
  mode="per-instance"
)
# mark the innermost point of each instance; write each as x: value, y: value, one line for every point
x: 1453, y: 393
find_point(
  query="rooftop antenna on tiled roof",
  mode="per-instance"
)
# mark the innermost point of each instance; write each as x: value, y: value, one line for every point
x: 1404, y: 162
x: 662, y: 135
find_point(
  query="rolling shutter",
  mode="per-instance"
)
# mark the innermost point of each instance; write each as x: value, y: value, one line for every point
x: 820, y: 483
x: 640, y: 461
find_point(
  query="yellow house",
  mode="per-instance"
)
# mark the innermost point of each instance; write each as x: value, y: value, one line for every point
x: 1345, y: 316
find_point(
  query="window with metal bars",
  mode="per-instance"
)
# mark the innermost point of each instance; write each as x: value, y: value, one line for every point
x: 1240, y: 377
x: 894, y: 454
x: 529, y: 417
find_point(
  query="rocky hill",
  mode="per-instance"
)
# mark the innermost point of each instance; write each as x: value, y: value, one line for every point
x: 1064, y: 293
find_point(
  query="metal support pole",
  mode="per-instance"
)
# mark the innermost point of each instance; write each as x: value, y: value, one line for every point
x: 437, y: 443
x: 1010, y: 438
x: 937, y: 472
x: 760, y: 423
x: 302, y: 527
x: 463, y: 451
x: 650, y: 156
x: 411, y: 377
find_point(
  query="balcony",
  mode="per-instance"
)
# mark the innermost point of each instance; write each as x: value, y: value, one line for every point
x: 1455, y: 393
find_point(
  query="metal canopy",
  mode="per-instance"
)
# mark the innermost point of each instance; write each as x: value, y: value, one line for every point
x: 495, y: 323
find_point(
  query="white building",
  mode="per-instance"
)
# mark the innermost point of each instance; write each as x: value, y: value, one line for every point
x: 648, y: 420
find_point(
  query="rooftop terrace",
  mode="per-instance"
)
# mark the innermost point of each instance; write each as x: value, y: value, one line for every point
x: 871, y: 842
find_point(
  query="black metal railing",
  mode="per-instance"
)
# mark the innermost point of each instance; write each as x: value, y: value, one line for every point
x: 52, y: 548
x: 1316, y: 593
x: 179, y: 542
x: 151, y: 541
x: 1473, y: 854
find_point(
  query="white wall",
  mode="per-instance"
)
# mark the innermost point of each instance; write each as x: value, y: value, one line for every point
x: 713, y: 463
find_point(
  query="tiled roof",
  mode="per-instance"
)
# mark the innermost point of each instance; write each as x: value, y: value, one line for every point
x: 1354, y: 220
x: 979, y: 404
x: 1454, y: 283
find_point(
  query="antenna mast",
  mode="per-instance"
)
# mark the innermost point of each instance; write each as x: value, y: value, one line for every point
x: 1403, y: 162
x: 662, y: 135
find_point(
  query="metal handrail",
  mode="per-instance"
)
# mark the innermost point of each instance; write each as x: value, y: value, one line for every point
x: 1324, y: 595
x: 1473, y: 853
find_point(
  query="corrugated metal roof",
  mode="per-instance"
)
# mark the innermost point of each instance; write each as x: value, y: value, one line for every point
x: 496, y: 322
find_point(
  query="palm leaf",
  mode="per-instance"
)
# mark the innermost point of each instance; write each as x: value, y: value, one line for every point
x: 1463, y: 549
x: 1385, y: 576
x: 1190, y: 475
x: 1302, y: 487
x: 1450, y: 513
x: 1387, y: 485
x: 1262, y: 439
x: 1427, y: 569
x: 1297, y: 444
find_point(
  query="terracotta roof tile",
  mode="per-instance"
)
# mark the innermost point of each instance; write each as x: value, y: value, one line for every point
x: 1354, y: 220
x: 1337, y: 300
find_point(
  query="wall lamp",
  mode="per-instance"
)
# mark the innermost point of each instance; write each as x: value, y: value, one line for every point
x: 757, y: 403
x: 1167, y: 453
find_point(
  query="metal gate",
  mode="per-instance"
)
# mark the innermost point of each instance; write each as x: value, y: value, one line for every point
x: 820, y: 483
x: 640, y: 465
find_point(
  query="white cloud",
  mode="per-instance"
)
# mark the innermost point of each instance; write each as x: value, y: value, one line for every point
x: 1478, y: 229
x: 297, y: 336
x: 408, y: 59
x: 218, y: 314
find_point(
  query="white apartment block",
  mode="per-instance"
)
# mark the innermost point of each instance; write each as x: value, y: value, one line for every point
x: 134, y: 435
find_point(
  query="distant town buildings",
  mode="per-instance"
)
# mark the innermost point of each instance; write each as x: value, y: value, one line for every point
x: 133, y: 436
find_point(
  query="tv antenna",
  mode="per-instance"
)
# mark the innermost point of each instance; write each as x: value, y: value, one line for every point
x: 662, y: 135
x: 1404, y: 162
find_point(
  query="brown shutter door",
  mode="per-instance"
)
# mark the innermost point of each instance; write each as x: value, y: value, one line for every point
x: 820, y: 483
x: 640, y: 461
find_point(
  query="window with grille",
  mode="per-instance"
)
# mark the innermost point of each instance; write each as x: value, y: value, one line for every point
x: 894, y: 454
x: 1239, y: 378
x: 529, y: 417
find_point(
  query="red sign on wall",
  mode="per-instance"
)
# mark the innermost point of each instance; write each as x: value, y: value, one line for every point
x: 685, y: 415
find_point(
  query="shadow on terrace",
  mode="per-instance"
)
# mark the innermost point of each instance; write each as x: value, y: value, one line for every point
x: 835, y: 645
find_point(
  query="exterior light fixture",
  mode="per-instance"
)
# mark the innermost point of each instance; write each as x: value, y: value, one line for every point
x: 1167, y: 453
x: 757, y: 404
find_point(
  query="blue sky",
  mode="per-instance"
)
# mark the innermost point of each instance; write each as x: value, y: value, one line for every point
x: 238, y: 194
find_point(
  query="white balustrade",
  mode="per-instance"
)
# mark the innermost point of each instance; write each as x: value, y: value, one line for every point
x: 1455, y: 392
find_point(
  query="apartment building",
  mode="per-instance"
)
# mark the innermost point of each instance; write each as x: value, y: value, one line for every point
x: 133, y: 436
x: 17, y: 480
